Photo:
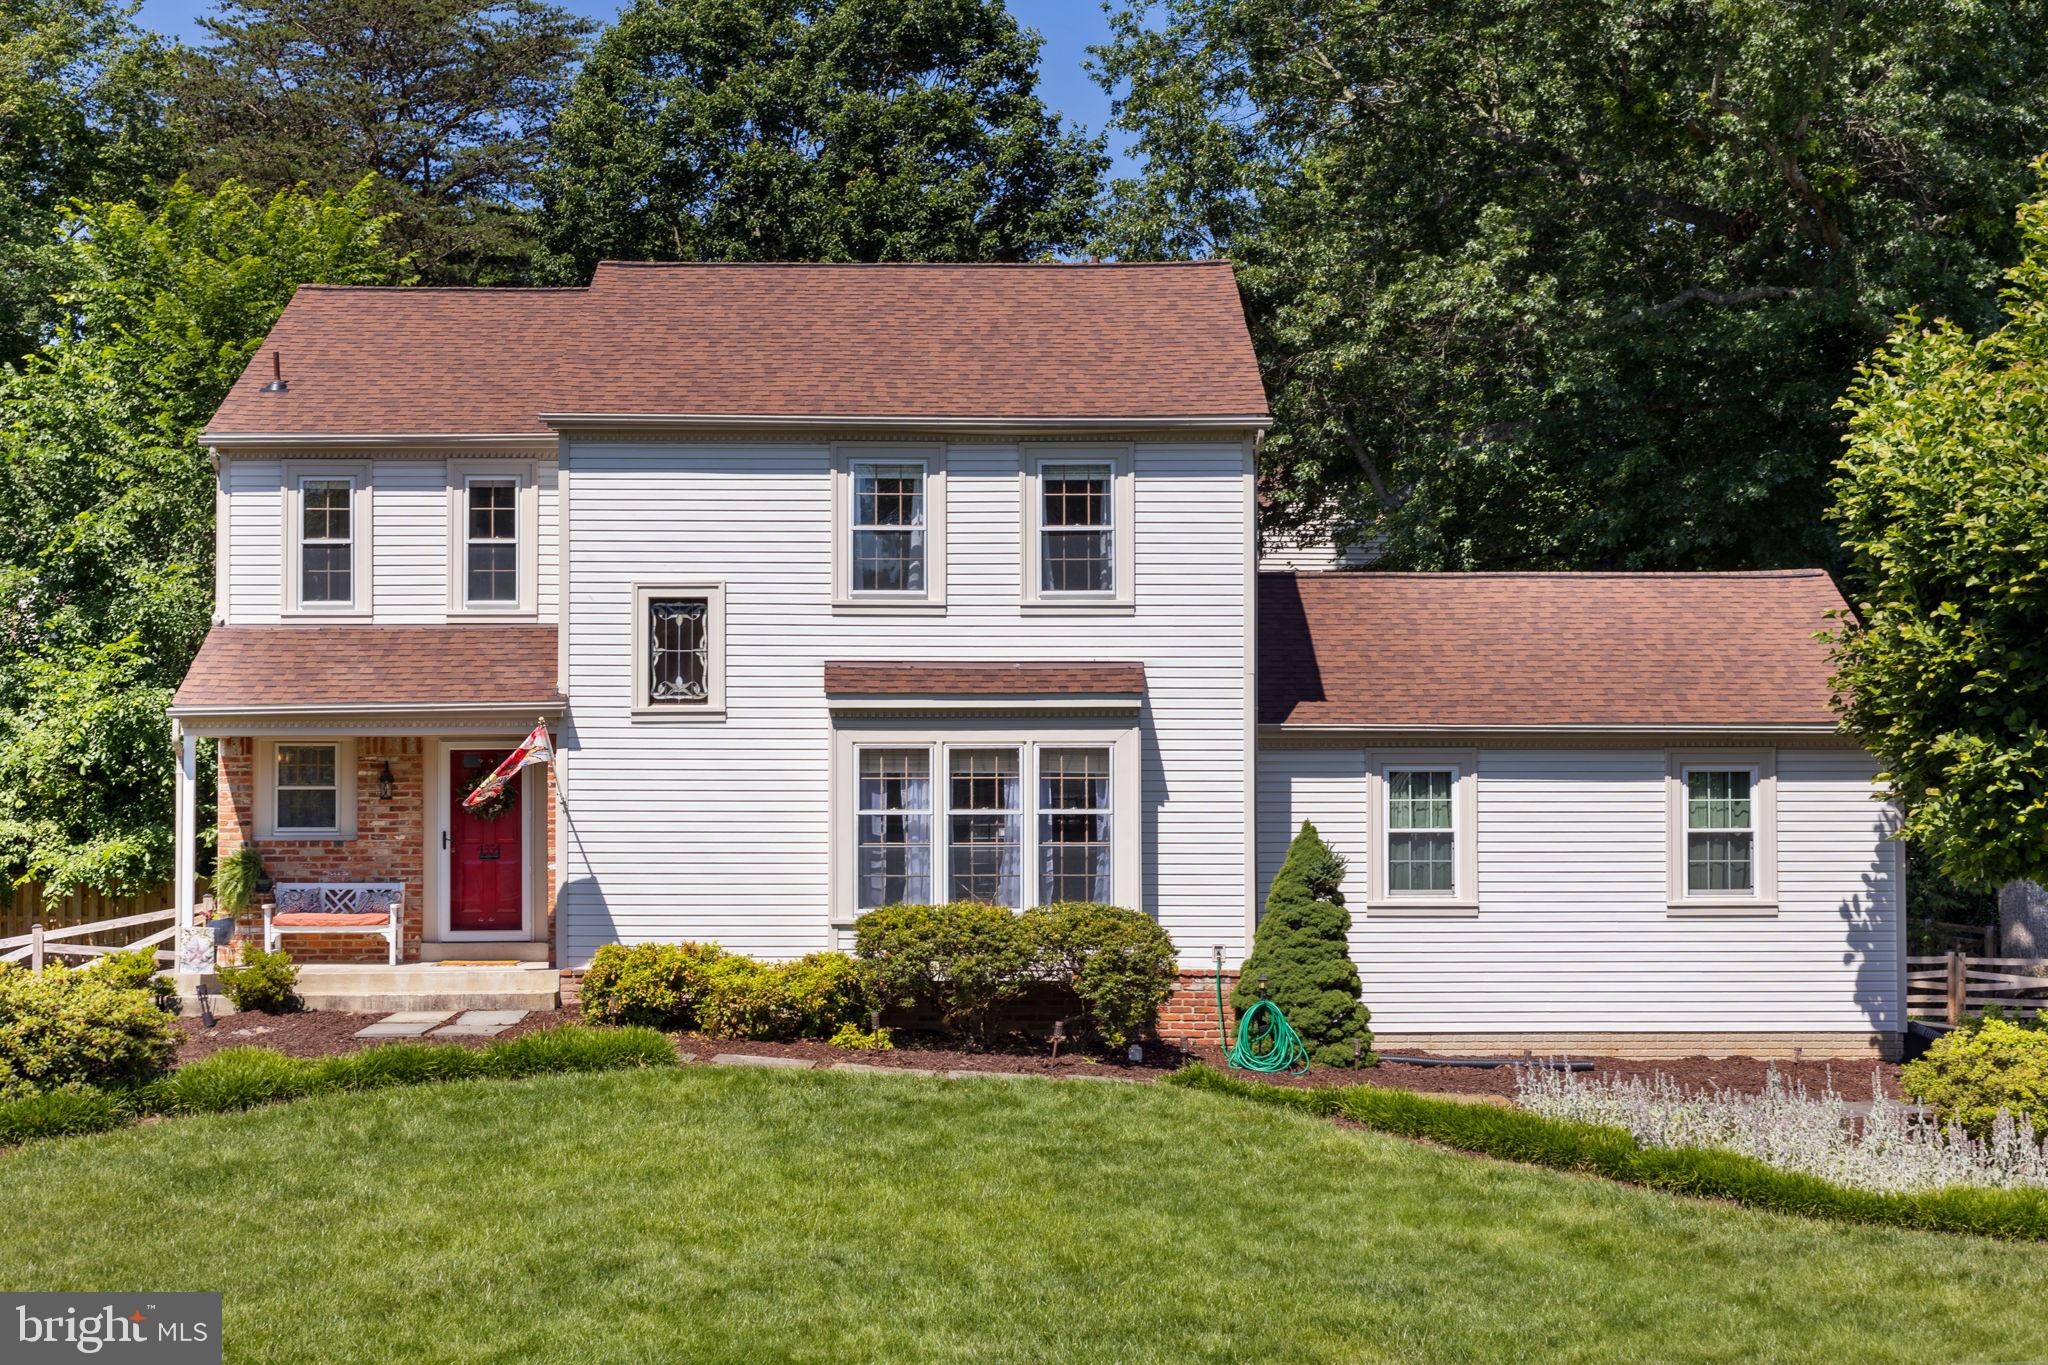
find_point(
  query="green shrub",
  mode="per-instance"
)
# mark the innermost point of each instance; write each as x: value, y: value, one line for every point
x: 1971, y: 1073
x: 267, y: 982
x: 654, y: 984
x: 1303, y: 951
x: 854, y: 1037
x: 1117, y: 962
x: 71, y: 1028
x: 575, y: 1048
x: 236, y: 1078
x: 235, y: 878
x: 136, y: 970
x: 808, y: 998
x: 1517, y: 1135
x: 60, y: 1113
x: 962, y: 961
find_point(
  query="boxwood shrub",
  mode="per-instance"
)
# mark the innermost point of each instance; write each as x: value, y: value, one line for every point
x: 961, y: 961
x: 1119, y: 964
x: 1971, y: 1073
x: 1517, y: 1135
x: 67, y: 1028
x: 652, y: 984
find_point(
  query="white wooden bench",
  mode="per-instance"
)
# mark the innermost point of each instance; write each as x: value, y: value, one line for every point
x: 335, y: 908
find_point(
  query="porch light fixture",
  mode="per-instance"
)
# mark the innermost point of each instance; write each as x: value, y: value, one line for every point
x: 384, y: 782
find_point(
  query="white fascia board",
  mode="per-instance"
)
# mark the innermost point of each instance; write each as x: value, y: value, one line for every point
x: 1005, y: 703
x: 583, y: 421
x: 273, y: 443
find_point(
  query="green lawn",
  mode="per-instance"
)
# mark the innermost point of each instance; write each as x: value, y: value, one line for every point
x: 726, y: 1214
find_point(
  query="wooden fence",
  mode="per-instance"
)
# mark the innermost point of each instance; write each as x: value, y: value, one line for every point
x: 1954, y: 986
x: 30, y: 907
x: 39, y: 944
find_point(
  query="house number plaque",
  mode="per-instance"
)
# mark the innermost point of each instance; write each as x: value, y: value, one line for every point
x: 487, y: 853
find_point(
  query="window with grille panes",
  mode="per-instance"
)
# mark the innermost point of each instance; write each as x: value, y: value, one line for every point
x: 893, y: 863
x: 1076, y: 552
x: 1720, y: 831
x: 889, y: 533
x: 1075, y: 830
x: 1422, y: 839
x: 327, y: 542
x: 491, y: 542
x: 308, y: 788
x: 984, y: 826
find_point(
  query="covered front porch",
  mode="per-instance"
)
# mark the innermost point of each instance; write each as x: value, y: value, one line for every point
x: 347, y: 775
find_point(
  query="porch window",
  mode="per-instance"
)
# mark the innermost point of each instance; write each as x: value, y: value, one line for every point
x: 889, y: 522
x: 1075, y: 529
x: 984, y: 833
x: 1422, y: 837
x: 327, y: 542
x: 491, y: 542
x: 1720, y: 832
x: 308, y: 788
x: 679, y: 649
x: 1075, y: 831
x: 894, y: 863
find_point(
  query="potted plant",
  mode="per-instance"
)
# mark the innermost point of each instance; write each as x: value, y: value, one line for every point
x: 235, y: 882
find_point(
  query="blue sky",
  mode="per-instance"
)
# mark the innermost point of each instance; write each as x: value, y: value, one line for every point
x: 1068, y: 27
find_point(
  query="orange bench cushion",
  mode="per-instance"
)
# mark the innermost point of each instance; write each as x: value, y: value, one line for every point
x: 319, y: 919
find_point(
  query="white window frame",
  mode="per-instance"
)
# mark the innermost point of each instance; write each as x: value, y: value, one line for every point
x: 1463, y: 901
x: 1123, y: 503
x: 713, y: 706
x: 932, y: 812
x: 344, y: 793
x: 1761, y: 900
x: 357, y: 476
x: 939, y: 738
x: 461, y: 475
x: 932, y: 457
x: 943, y: 877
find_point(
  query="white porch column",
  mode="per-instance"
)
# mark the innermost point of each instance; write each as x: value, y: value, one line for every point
x: 184, y: 824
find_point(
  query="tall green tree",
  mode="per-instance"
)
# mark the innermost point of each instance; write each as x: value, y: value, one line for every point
x: 448, y: 102
x: 1942, y: 501
x: 106, y: 505
x: 1301, y: 956
x: 82, y: 115
x: 837, y: 130
x: 1576, y: 285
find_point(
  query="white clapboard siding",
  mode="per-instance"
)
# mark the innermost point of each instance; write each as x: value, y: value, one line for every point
x: 719, y: 830
x: 1573, y: 932
x: 409, y: 540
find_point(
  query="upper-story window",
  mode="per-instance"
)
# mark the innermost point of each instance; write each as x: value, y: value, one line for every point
x: 327, y: 539
x: 679, y: 650
x: 1079, y: 543
x: 327, y: 542
x: 890, y: 533
x: 491, y: 542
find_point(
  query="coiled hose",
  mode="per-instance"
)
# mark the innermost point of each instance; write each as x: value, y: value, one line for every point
x: 1265, y: 1040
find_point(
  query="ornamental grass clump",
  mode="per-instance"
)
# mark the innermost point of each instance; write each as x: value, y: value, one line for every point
x: 1303, y: 953
x: 1890, y: 1150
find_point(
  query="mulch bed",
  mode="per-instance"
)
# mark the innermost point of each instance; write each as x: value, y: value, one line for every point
x: 325, y: 1033
x: 322, y: 1033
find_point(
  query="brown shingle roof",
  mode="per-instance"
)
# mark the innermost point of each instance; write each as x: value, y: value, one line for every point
x: 1592, y: 649
x: 923, y: 341
x: 335, y: 667
x: 910, y: 679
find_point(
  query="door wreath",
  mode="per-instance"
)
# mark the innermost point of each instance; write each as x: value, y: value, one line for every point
x: 500, y: 802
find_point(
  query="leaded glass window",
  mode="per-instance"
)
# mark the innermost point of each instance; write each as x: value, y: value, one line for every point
x: 679, y: 651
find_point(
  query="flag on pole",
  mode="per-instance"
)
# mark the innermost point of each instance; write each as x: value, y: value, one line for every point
x: 533, y: 749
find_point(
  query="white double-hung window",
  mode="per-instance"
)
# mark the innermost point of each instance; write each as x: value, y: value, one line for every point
x: 1424, y: 818
x: 327, y: 542
x: 491, y: 542
x: 1422, y: 832
x: 1006, y: 820
x: 889, y: 527
x: 1080, y: 503
x: 1723, y: 815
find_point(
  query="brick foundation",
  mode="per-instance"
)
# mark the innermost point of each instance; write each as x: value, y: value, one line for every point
x: 1189, y: 1014
x: 389, y: 846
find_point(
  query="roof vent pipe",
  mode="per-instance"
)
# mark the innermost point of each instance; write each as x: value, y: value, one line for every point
x: 276, y: 384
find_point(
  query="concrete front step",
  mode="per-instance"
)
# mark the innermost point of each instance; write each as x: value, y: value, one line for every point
x: 379, y: 989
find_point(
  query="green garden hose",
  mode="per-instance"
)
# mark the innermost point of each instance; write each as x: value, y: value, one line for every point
x: 1265, y: 1040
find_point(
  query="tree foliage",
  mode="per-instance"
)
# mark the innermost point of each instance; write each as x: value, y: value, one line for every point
x: 82, y: 115
x: 106, y: 505
x: 835, y: 130
x: 1303, y: 952
x: 1576, y: 285
x: 448, y: 102
x: 1942, y: 501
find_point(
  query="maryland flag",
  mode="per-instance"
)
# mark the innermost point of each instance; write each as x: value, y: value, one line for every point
x: 535, y: 748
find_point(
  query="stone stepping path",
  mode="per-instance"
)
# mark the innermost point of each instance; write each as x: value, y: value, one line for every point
x: 419, y: 1023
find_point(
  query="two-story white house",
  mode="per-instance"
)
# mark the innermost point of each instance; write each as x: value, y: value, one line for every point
x: 845, y: 585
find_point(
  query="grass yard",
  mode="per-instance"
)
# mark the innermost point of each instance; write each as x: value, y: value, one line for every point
x: 726, y: 1214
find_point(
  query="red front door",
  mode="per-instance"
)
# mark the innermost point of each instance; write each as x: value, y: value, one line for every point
x: 484, y: 862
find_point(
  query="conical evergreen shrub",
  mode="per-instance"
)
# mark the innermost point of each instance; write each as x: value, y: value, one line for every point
x: 1302, y: 951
